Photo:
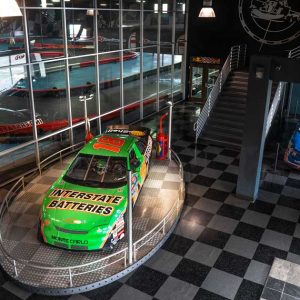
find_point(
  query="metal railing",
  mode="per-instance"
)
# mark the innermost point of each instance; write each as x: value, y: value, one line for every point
x: 236, y: 59
x: 274, y: 106
x: 295, y: 53
x: 59, y: 155
x: 50, y: 159
x: 67, y: 275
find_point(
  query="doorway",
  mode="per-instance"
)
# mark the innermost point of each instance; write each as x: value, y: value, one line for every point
x: 203, y: 77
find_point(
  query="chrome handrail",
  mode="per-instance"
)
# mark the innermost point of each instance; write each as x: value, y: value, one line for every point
x: 294, y: 53
x: 235, y: 60
x: 274, y: 106
x: 162, y: 223
x: 44, y: 163
x: 71, y: 270
x: 49, y: 159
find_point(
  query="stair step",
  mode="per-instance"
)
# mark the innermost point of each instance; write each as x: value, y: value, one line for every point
x: 235, y: 89
x: 212, y: 141
x: 233, y: 100
x: 229, y: 93
x: 225, y: 138
x: 243, y: 77
x: 235, y: 96
x: 228, y: 104
x: 227, y: 123
x: 242, y: 73
x: 239, y: 84
x: 234, y: 92
x: 237, y: 132
x: 230, y: 110
x: 235, y: 83
x: 227, y: 117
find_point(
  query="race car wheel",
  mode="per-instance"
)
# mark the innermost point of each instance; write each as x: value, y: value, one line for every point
x: 39, y: 233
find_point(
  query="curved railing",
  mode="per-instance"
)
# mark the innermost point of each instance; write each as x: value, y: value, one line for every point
x: 67, y: 275
x: 52, y: 158
x: 59, y: 155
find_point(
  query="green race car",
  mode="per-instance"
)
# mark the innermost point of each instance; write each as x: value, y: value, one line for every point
x: 85, y: 208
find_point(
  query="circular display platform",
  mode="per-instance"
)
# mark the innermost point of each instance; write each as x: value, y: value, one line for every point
x: 49, y: 270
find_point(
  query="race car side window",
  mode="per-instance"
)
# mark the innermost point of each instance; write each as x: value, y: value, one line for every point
x: 141, y: 144
x: 133, y: 160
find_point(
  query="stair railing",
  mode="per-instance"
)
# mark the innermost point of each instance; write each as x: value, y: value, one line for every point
x: 295, y: 53
x: 275, y: 105
x: 236, y: 59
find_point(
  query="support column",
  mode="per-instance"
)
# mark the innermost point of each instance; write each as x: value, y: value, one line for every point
x: 258, y: 103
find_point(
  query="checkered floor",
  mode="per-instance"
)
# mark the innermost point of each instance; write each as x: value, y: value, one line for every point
x: 223, y: 247
x: 282, y: 282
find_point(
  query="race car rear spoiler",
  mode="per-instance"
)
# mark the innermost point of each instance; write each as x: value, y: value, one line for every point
x: 128, y: 130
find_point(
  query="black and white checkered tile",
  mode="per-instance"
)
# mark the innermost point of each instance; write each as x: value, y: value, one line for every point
x: 282, y: 282
x: 223, y: 247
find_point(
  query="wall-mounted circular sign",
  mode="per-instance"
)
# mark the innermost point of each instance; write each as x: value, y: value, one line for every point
x: 271, y: 22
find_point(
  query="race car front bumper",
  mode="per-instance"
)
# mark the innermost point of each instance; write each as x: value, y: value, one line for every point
x: 62, y: 237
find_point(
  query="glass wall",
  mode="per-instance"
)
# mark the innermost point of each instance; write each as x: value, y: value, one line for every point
x: 63, y: 61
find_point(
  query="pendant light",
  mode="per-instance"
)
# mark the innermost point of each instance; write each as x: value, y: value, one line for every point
x: 9, y: 8
x: 207, y: 11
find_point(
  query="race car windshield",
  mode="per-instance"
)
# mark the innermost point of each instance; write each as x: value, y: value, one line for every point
x: 97, y: 171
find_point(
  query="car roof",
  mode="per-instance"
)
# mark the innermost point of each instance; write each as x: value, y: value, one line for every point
x: 93, y: 146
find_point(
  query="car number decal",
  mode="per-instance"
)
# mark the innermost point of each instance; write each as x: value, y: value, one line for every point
x: 109, y: 143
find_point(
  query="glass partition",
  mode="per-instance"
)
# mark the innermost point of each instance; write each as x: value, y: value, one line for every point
x: 112, y: 61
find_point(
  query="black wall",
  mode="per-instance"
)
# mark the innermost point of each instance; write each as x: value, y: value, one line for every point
x: 214, y: 37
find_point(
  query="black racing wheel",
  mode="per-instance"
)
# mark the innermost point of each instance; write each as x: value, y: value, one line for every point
x: 39, y: 233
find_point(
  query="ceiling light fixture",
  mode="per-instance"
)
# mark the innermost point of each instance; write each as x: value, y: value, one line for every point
x: 90, y: 12
x: 165, y: 8
x: 207, y: 11
x: 9, y: 8
x: 44, y: 3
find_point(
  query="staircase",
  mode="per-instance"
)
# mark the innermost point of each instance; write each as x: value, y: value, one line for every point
x: 225, y: 125
x: 226, y: 122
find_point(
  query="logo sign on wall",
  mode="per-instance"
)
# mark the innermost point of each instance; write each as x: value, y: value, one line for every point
x: 272, y: 22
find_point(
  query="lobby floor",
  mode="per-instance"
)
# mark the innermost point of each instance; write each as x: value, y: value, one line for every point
x: 223, y: 247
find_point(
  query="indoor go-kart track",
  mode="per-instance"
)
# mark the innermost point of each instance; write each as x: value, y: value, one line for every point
x: 110, y: 96
x: 49, y: 270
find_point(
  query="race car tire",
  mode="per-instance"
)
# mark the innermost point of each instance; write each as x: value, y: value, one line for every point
x: 39, y: 233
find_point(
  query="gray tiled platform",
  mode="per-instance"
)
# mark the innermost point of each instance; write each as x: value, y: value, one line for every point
x: 19, y: 225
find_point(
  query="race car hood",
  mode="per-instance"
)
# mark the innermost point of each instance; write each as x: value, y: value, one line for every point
x: 75, y: 207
